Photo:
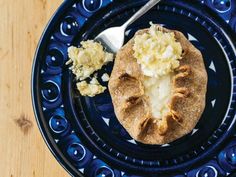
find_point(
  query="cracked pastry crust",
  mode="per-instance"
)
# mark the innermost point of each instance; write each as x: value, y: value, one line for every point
x: 186, y: 105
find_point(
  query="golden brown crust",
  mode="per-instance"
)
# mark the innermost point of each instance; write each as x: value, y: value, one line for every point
x: 132, y: 106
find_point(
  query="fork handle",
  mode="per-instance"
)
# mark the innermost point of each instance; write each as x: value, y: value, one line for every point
x: 140, y: 12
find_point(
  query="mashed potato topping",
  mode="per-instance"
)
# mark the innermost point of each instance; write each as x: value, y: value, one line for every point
x: 158, y: 54
x: 87, y: 59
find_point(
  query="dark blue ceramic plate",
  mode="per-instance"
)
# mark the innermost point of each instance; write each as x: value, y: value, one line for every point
x: 84, y: 134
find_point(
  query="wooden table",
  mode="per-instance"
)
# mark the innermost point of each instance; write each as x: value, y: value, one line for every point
x: 23, y: 152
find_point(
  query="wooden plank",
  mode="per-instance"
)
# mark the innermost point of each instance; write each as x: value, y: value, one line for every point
x: 23, y: 152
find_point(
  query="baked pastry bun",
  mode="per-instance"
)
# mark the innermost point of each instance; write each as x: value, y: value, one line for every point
x: 162, y: 108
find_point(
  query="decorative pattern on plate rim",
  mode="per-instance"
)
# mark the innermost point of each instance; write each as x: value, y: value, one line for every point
x: 52, y: 104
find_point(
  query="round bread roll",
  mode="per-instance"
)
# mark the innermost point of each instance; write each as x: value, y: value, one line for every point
x: 132, y: 105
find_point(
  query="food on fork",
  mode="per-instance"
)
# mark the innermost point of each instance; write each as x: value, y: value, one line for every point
x: 86, y: 60
x: 158, y: 85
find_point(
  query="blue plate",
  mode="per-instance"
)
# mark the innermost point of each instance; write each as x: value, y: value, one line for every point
x: 84, y: 134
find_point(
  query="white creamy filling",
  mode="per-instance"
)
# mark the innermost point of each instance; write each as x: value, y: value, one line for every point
x: 159, y: 92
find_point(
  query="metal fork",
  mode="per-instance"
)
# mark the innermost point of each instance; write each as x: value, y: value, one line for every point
x: 112, y: 39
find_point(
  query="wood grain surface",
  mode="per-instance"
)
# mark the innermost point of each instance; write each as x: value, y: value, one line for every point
x: 23, y: 152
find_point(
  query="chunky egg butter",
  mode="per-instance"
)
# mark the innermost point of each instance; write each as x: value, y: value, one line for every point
x: 90, y: 89
x: 85, y: 60
x: 158, y: 54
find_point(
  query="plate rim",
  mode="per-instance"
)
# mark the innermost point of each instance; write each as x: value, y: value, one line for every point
x: 35, y: 98
x: 34, y: 77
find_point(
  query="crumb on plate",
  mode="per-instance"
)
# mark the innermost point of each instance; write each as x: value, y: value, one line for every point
x: 105, y: 77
